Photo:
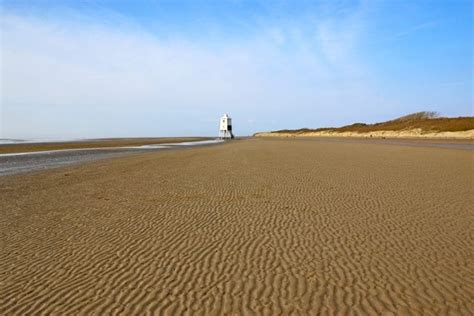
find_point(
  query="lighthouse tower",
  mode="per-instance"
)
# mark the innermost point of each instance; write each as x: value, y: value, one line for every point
x: 225, y: 127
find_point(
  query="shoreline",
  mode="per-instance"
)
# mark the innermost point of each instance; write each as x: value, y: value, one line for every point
x: 98, y: 143
x: 23, y: 162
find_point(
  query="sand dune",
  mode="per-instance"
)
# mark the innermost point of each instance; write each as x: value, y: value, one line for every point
x: 416, y: 125
x: 412, y: 133
x: 254, y: 227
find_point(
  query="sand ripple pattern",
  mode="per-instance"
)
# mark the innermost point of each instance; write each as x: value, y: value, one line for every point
x: 255, y: 227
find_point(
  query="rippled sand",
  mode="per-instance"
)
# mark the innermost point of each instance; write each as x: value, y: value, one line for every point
x: 259, y: 226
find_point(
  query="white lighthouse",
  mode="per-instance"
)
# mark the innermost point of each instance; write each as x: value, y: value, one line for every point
x: 225, y: 127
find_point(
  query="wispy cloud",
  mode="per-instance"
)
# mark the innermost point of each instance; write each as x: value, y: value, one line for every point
x: 101, y: 68
x: 416, y: 28
x: 106, y: 75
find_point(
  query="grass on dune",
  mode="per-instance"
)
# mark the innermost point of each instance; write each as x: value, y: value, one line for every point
x: 425, y: 121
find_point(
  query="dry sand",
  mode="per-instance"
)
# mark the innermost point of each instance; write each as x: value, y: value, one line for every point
x: 261, y: 226
x: 412, y: 133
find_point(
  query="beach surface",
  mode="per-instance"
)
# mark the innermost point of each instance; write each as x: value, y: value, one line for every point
x: 261, y: 226
x: 41, y: 159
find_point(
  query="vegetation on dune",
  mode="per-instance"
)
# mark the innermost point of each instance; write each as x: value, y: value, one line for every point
x: 419, y: 116
x: 424, y: 121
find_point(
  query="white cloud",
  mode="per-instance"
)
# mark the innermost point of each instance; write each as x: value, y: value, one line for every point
x: 76, y: 79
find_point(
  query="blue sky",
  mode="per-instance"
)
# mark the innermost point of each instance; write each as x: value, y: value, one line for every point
x: 72, y: 69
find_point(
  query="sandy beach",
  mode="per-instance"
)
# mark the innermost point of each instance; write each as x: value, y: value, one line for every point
x: 409, y: 134
x: 252, y: 227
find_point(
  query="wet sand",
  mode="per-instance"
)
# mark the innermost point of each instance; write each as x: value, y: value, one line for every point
x: 257, y: 226
x: 13, y: 163
x: 26, y: 146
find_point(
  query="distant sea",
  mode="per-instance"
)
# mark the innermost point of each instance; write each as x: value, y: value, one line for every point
x: 10, y: 141
x: 4, y: 141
